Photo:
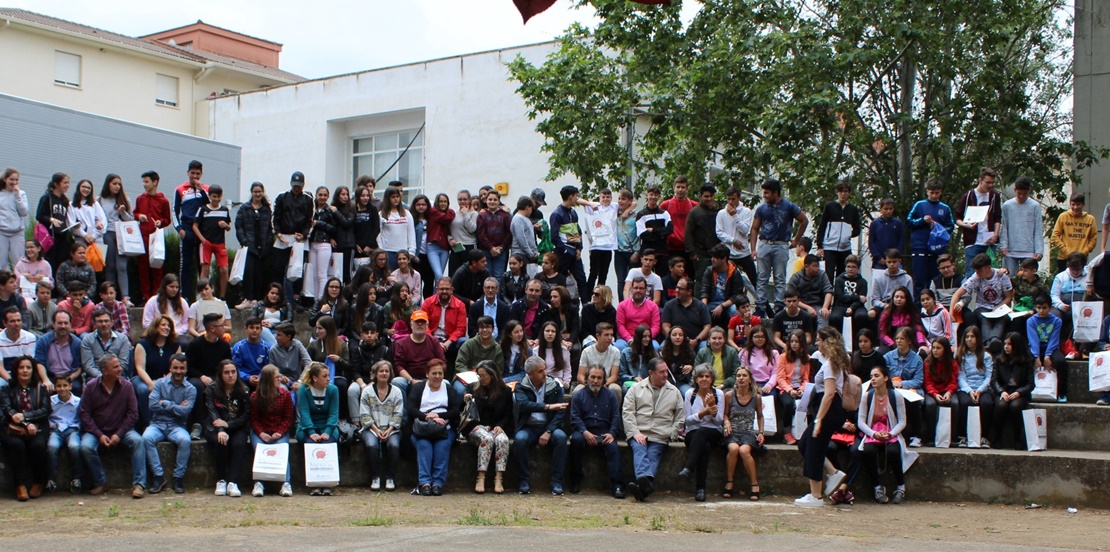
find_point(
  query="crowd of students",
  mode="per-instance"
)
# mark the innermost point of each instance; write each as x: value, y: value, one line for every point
x: 415, y: 309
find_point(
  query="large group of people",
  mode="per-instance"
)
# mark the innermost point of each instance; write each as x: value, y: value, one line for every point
x: 431, y: 324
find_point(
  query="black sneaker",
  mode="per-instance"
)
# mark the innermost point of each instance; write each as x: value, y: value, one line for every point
x: 51, y: 486
x: 574, y: 487
x: 75, y: 486
x: 178, y: 485
x: 157, y: 484
x: 618, y: 492
x: 636, y: 491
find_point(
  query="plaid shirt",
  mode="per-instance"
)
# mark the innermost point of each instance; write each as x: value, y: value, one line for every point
x: 120, y: 321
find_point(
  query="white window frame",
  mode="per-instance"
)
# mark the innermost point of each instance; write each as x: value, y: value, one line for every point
x: 161, y: 87
x: 409, y: 191
x: 63, y: 69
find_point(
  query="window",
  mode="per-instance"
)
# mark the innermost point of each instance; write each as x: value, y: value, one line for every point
x: 165, y: 90
x: 374, y: 154
x: 67, y: 69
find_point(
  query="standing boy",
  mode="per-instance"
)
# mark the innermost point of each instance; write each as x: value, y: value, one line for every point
x: 981, y: 236
x: 679, y: 208
x: 152, y: 210
x: 734, y: 225
x: 1022, y: 235
x: 771, y: 225
x: 924, y: 215
x: 1074, y: 232
x: 210, y: 225
x: 840, y: 222
x: 653, y: 225
x: 188, y: 198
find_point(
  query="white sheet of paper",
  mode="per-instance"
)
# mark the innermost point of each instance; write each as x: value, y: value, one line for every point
x: 1002, y: 310
x: 976, y: 214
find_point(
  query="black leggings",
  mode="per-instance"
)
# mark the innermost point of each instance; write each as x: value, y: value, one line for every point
x: 932, y: 412
x: 599, y: 269
x: 27, y: 457
x: 1009, y: 413
x: 855, y: 460
x: 986, y: 412
x: 891, y: 460
x: 698, y: 444
x: 230, y: 457
x: 813, y: 446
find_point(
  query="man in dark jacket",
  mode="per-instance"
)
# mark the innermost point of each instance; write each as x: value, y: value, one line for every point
x: 653, y: 225
x: 491, y: 305
x: 468, y: 279
x: 292, y: 220
x: 839, y: 223
x: 814, y: 289
x: 540, y: 411
x: 595, y: 418
x: 701, y: 231
x: 721, y: 286
x: 980, y: 235
x: 370, y: 351
x: 530, y: 311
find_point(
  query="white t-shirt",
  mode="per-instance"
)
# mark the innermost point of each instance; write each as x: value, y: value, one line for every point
x: 826, y: 373
x: 989, y: 293
x: 984, y: 232
x: 654, y: 282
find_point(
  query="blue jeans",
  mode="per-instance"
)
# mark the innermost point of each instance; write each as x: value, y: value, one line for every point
x: 256, y: 440
x: 268, y: 336
x: 612, y: 458
x: 970, y: 252
x: 142, y: 397
x: 497, y: 263
x: 646, y: 458
x: 530, y: 435
x: 177, y: 435
x: 437, y: 259
x: 432, y: 458
x: 771, y: 258
x: 71, y: 440
x: 382, y: 464
x: 90, y: 451
x: 460, y: 388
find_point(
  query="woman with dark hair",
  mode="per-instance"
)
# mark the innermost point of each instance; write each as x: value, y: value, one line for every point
x: 974, y: 383
x: 271, y: 418
x: 515, y: 278
x: 381, y: 411
x: 1012, y: 384
x: 705, y: 415
x: 554, y: 352
x: 882, y: 418
x: 368, y: 221
x: 515, y: 348
x: 760, y: 356
x: 53, y: 213
x: 169, y: 302
x: 866, y: 357
x: 365, y: 309
x: 116, y: 207
x: 343, y: 211
x: 398, y: 227
x: 941, y: 382
x: 331, y: 303
x: 900, y: 313
x: 549, y: 275
x: 432, y: 403
x: 87, y: 214
x: 419, y: 260
x: 226, y: 431
x: 794, y: 368
x: 490, y: 431
x: 273, y: 311
x: 320, y: 237
x: 151, y: 357
x: 406, y: 272
x: 679, y: 356
x: 439, y: 228
x: 381, y: 275
x: 13, y: 218
x: 523, y: 234
x: 494, y: 236
x: 25, y: 409
x: 332, y: 353
x: 565, y: 316
x: 362, y: 276
x: 397, y: 312
x: 255, y: 230
x: 77, y: 267
x: 635, y: 357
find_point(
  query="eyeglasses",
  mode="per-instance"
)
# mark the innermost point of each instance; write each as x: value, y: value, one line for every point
x: 597, y: 294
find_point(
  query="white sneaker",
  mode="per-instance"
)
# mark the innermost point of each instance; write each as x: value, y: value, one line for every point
x: 258, y: 490
x: 809, y: 501
x: 915, y: 442
x: 286, y: 489
x: 389, y: 485
x: 221, y: 488
x: 233, y: 490
x: 833, y: 482
x: 376, y: 485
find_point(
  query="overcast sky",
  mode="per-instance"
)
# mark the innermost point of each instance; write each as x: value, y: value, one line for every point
x: 330, y: 37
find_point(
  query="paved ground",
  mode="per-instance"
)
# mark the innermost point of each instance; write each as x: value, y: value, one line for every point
x: 357, y: 519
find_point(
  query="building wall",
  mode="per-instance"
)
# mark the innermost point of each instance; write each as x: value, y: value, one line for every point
x: 209, y: 39
x: 1091, y: 110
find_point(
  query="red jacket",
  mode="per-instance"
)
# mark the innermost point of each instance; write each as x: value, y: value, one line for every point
x: 946, y: 382
x: 455, y: 322
x: 439, y: 223
x: 280, y: 417
x: 493, y: 229
x: 679, y: 210
x: 155, y: 207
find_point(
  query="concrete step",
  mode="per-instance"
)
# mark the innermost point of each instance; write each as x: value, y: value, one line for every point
x: 1078, y: 384
x: 1056, y: 477
x: 1077, y: 426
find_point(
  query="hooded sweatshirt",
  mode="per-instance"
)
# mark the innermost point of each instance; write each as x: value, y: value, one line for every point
x: 1074, y: 234
x: 884, y: 285
x: 13, y: 212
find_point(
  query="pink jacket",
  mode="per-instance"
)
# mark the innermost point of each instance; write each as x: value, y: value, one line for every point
x: 629, y: 315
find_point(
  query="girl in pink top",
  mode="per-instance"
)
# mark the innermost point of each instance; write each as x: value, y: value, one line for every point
x: 900, y: 313
x: 169, y: 302
x: 34, y: 268
x: 762, y: 359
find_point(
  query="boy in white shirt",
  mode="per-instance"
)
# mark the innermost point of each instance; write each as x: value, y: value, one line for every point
x: 647, y: 272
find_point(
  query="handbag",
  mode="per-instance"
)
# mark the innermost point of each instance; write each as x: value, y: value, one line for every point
x: 428, y: 429
x: 18, y: 430
x: 469, y: 412
x: 95, y: 257
x: 42, y: 234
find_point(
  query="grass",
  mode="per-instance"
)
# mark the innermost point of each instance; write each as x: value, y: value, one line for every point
x: 658, y: 523
x: 475, y: 517
x: 373, y: 520
x: 113, y: 511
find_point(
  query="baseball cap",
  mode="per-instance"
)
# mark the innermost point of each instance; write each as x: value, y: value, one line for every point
x: 297, y: 179
x: 539, y: 196
x: 419, y: 315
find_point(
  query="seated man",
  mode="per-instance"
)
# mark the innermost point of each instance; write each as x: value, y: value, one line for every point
x: 541, y: 408
x: 289, y: 355
x: 652, y: 414
x: 991, y: 289
x: 79, y: 307
x: 468, y: 280
x: 594, y: 422
x: 412, y: 353
x: 722, y: 286
x: 476, y: 349
x: 447, y: 320
x: 489, y: 305
x: 108, y: 414
x: 688, y: 313
x: 604, y: 354
x: 815, y: 291
x: 369, y: 351
x: 635, y: 310
x: 171, y: 402
x: 102, y: 341
x: 204, y: 355
x: 885, y: 282
x: 792, y: 318
x: 530, y: 310
x: 15, y: 342
x: 58, y: 352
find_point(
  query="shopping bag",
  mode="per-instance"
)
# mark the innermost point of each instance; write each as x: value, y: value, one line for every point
x: 271, y: 462
x: 238, y: 266
x: 335, y: 269
x: 308, y: 283
x: 1044, y: 385
x: 974, y: 429
x: 770, y: 419
x: 798, y: 426
x: 1098, y: 371
x: 321, y: 464
x: 129, y: 240
x: 156, y: 248
x: 95, y: 256
x: 846, y: 333
x: 357, y: 263
x: 1036, y: 428
x: 944, y: 427
x: 295, y: 270
x: 1087, y: 320
x: 938, y: 239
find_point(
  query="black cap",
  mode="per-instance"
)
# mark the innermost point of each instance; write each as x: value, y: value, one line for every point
x: 539, y: 196
x: 297, y: 179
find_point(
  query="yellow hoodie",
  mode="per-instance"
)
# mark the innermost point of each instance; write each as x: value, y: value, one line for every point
x: 1074, y: 234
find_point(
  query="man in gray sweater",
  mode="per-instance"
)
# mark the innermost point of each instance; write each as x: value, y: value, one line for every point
x: 886, y: 282
x: 814, y: 289
x: 1022, y: 235
x: 289, y: 355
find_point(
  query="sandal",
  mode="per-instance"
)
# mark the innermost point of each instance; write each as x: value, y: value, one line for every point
x: 755, y: 493
x: 726, y: 491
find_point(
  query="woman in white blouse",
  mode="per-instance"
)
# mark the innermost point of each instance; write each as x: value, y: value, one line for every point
x: 398, y: 227
x: 705, y: 415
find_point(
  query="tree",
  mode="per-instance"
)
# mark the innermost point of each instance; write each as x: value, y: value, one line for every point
x: 885, y: 95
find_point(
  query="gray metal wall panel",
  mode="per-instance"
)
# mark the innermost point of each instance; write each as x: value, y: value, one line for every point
x: 40, y: 139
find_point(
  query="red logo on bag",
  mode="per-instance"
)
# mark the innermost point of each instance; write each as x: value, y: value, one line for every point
x: 321, y: 454
x: 1042, y: 375
x: 1098, y: 361
x: 129, y: 229
x: 271, y: 452
x: 1087, y: 312
x: 1040, y: 421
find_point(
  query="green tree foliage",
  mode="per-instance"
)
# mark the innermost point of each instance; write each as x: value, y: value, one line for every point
x: 884, y: 94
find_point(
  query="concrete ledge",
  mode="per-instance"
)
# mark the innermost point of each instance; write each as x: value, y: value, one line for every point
x: 1072, y: 478
x: 1077, y: 426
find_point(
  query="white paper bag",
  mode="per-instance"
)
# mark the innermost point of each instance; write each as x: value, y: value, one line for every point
x: 1044, y: 385
x: 321, y: 464
x: 156, y: 248
x: 295, y: 270
x: 271, y: 462
x: 770, y: 419
x: 974, y: 429
x: 335, y: 269
x: 308, y: 283
x: 1087, y: 320
x: 129, y: 241
x: 238, y: 266
x: 944, y: 427
x: 357, y: 263
x: 1036, y: 429
x: 798, y: 426
x: 846, y: 333
x: 1098, y: 371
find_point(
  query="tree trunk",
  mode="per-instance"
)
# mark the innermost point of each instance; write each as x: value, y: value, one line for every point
x: 908, y: 78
